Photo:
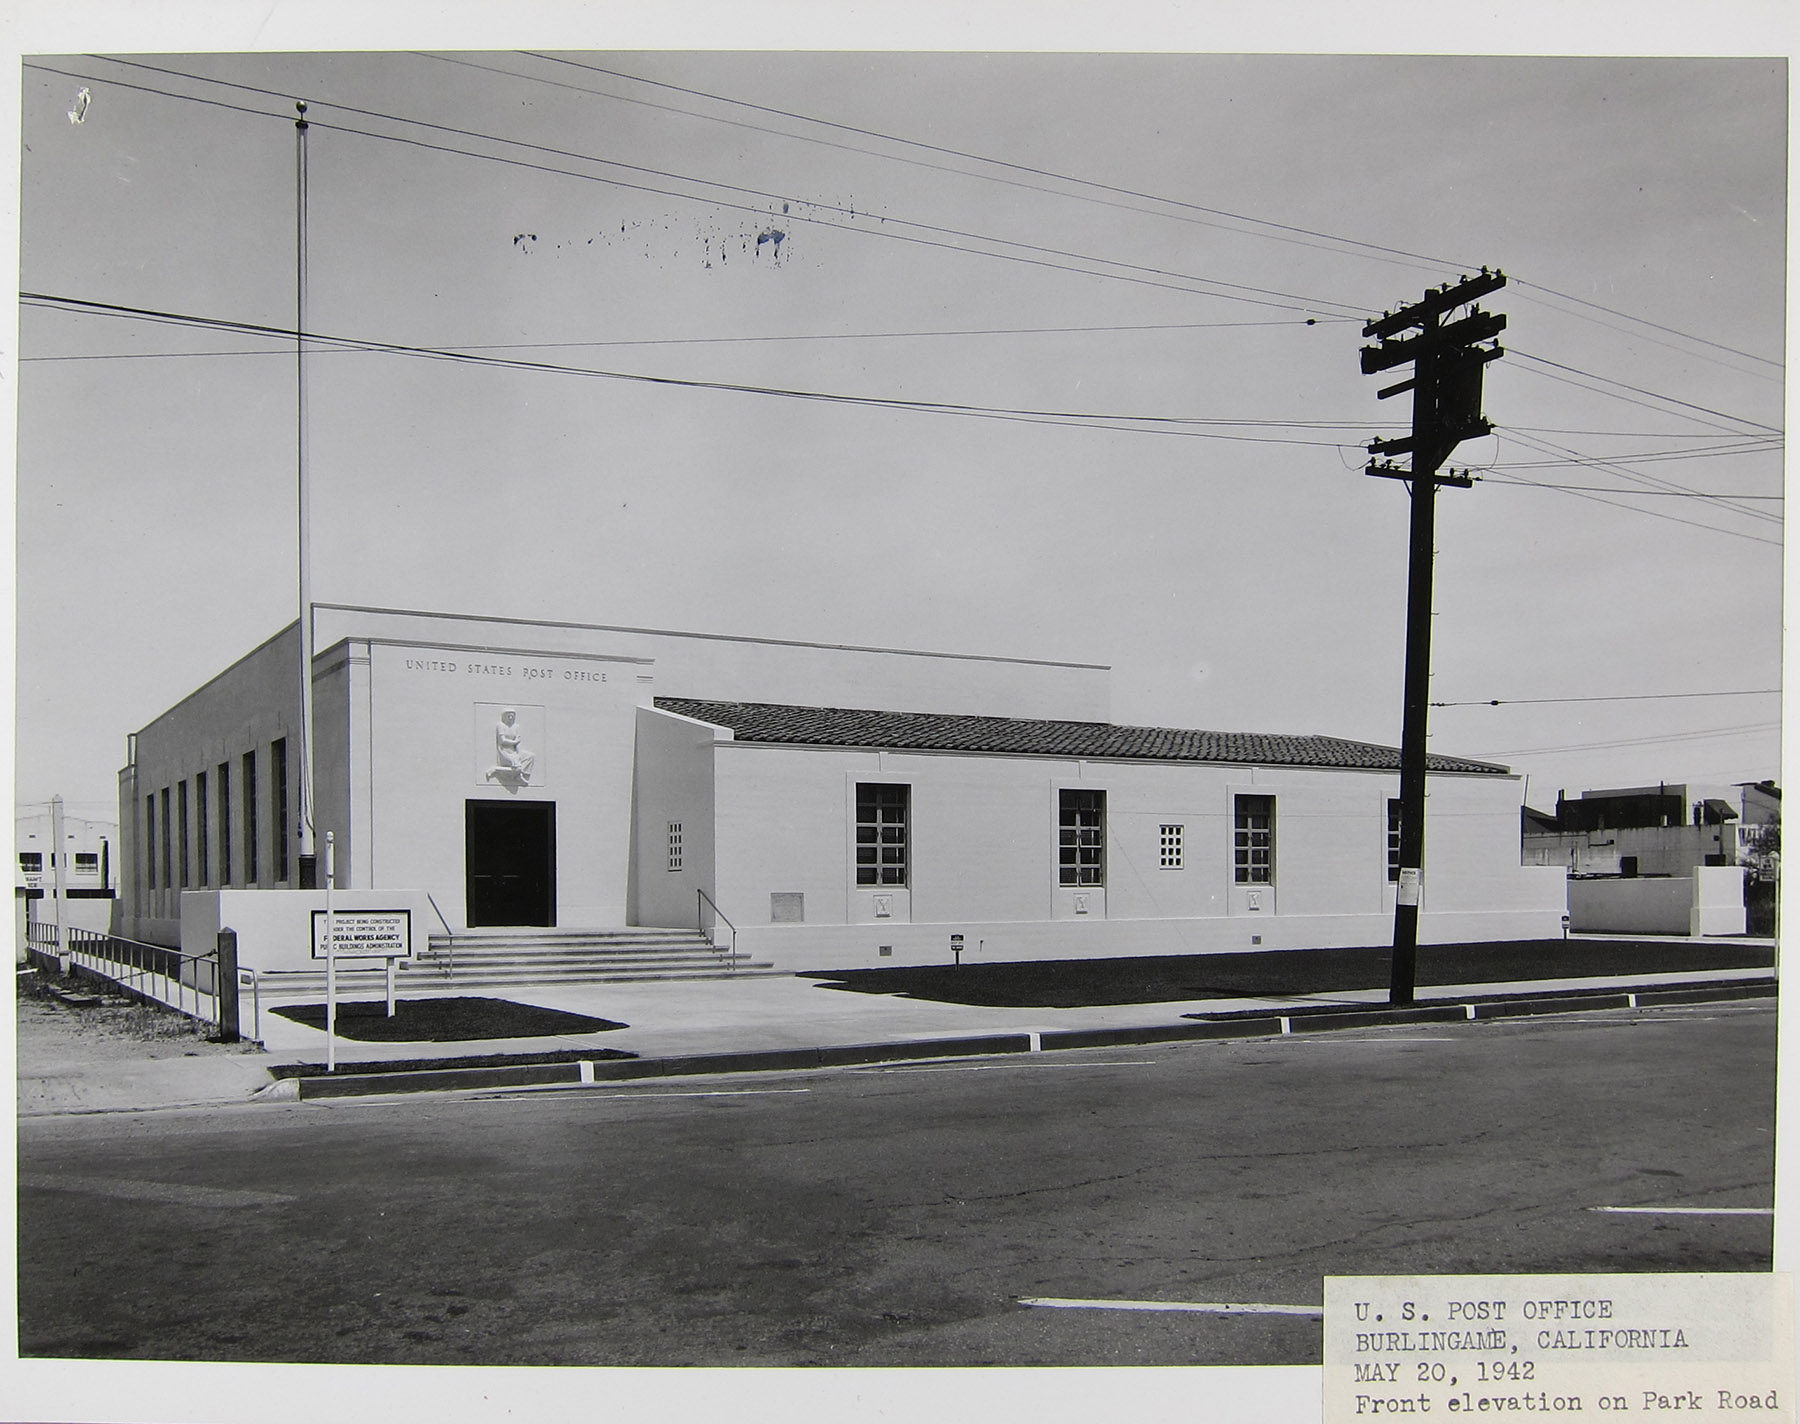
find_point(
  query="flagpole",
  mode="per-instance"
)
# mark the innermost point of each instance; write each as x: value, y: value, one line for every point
x: 308, y: 863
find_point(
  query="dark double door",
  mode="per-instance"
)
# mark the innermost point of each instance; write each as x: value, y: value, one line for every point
x: 510, y: 860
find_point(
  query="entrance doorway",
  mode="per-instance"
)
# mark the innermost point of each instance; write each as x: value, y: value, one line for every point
x: 510, y: 858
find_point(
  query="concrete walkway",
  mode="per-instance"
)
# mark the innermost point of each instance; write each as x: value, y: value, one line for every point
x: 681, y: 1020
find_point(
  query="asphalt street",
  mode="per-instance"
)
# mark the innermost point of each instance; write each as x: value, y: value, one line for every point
x: 906, y: 1214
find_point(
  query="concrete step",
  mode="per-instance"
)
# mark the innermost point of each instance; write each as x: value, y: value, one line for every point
x: 540, y: 958
x: 570, y: 938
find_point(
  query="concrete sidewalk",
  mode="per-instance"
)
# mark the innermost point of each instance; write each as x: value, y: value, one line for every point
x: 722, y: 1021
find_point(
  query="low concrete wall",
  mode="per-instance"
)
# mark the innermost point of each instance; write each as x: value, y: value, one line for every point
x: 805, y: 947
x: 274, y: 927
x: 1708, y: 902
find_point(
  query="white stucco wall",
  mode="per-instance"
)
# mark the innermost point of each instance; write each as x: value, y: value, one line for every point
x: 430, y: 739
x: 1709, y: 900
x: 673, y: 783
x: 274, y: 927
x: 983, y: 858
x: 724, y: 668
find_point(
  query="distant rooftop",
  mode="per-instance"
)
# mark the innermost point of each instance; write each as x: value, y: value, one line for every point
x: 1018, y: 736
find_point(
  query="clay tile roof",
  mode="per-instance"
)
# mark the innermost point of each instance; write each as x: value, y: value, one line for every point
x: 1022, y: 736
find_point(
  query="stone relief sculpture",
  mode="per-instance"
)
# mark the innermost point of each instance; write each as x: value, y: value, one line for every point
x: 513, y: 759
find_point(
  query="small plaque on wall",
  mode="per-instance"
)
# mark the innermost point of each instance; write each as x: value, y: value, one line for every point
x: 884, y: 906
x: 787, y: 907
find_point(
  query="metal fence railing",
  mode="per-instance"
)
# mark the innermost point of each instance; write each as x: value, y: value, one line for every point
x: 187, y: 983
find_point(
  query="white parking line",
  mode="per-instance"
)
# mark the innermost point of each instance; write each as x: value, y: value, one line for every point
x: 1391, y: 1038
x: 1190, y: 1306
x: 1687, y: 1210
x: 985, y: 1067
x: 639, y: 1096
x: 173, y: 1193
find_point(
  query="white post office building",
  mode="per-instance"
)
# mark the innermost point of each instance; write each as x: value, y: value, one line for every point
x: 840, y: 806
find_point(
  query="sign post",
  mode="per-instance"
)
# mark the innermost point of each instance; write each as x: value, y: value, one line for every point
x: 330, y: 957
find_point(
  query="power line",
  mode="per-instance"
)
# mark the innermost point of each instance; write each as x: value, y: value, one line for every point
x: 912, y: 162
x: 1639, y: 477
x: 1751, y: 728
x: 1368, y: 247
x: 1617, y: 434
x: 1509, y: 481
x: 1658, y: 514
x: 1642, y: 321
x: 1752, y: 445
x: 1129, y: 424
x: 1235, y: 291
x: 1617, y: 697
x: 1372, y: 250
x: 1654, y: 395
x: 751, y: 340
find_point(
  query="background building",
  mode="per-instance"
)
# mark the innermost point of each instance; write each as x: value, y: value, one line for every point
x: 87, y: 851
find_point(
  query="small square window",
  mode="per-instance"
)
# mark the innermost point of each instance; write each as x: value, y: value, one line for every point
x: 1169, y: 844
x: 31, y: 861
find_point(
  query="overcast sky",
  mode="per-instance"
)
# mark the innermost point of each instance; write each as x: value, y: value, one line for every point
x: 1178, y: 250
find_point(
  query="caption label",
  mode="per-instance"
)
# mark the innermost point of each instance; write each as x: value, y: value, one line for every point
x: 1714, y: 1346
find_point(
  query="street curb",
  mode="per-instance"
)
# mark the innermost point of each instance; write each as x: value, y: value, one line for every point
x: 624, y: 1069
x: 1251, y: 1024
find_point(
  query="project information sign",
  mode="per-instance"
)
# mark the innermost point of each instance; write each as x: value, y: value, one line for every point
x: 1712, y: 1346
x: 364, y: 934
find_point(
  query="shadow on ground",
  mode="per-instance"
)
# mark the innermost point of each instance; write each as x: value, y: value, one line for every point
x: 1273, y: 974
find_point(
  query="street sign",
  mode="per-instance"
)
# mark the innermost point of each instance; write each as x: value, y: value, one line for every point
x: 364, y: 934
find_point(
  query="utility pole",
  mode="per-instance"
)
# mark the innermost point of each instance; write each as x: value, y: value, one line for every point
x: 1446, y: 385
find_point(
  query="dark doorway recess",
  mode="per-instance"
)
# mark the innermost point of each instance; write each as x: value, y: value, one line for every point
x: 510, y: 857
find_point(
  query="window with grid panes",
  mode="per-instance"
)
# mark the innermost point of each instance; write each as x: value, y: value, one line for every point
x: 881, y: 833
x: 1081, y: 838
x: 674, y: 845
x: 1253, y: 840
x: 1169, y: 844
x: 1393, y: 840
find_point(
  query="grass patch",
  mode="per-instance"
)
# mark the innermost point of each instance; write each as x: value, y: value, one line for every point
x: 1276, y: 974
x: 447, y: 1020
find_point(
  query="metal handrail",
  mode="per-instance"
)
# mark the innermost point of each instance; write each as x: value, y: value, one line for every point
x: 254, y: 980
x: 97, y: 952
x: 449, y: 965
x: 721, y: 915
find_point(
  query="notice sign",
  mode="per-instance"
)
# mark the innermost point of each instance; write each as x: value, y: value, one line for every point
x: 1713, y: 1346
x: 364, y: 934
